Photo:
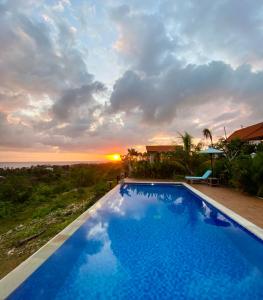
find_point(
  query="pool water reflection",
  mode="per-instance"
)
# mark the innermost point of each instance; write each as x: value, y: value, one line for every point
x: 152, y: 242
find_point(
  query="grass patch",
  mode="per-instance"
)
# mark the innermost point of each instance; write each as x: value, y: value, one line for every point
x: 40, y: 205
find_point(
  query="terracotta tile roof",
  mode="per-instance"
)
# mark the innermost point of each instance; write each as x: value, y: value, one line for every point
x: 162, y: 148
x: 254, y: 132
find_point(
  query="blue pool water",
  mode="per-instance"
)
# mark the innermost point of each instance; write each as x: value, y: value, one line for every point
x: 152, y: 242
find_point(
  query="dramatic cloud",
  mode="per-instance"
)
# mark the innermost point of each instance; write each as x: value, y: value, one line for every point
x: 93, y: 76
x: 228, y: 30
x: 32, y: 61
x: 142, y: 41
x: 40, y: 60
x: 158, y: 93
x: 74, y: 100
x: 159, y: 97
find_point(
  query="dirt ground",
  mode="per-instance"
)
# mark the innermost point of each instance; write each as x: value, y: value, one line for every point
x: 22, y: 240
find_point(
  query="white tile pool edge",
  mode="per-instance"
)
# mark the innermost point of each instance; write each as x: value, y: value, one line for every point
x: 17, y: 276
x: 257, y: 231
x: 13, y: 279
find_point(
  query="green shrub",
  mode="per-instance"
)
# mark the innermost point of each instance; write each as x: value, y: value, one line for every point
x: 45, y: 190
x: 257, y: 172
x: 247, y: 173
x: 82, y: 176
x: 5, y: 209
x: 241, y: 176
x: 15, y: 189
x: 100, y: 189
x: 41, y: 212
x: 166, y: 169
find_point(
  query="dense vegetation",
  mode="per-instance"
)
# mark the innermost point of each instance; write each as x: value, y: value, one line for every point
x: 37, y: 186
x: 240, y: 165
x: 37, y: 202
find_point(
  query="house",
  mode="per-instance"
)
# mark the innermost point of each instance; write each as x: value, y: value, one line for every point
x: 49, y: 168
x: 156, y: 153
x: 253, y: 133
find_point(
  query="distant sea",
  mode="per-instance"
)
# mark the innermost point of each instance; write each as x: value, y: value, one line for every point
x: 45, y: 163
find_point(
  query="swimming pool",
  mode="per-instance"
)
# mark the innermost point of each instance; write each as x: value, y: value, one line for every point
x: 152, y: 241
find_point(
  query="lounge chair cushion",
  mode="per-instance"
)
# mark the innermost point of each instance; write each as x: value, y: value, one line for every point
x: 204, y: 177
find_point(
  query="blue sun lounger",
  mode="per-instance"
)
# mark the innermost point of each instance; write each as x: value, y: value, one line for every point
x: 198, y: 179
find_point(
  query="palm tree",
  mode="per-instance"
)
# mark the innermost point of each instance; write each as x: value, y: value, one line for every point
x: 208, y: 134
x: 186, y: 155
x: 187, y: 142
x: 130, y: 158
x: 132, y: 153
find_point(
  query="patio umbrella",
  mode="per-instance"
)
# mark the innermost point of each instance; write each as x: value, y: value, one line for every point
x: 211, y: 151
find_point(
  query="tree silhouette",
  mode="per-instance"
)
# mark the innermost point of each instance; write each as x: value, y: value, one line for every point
x: 208, y: 134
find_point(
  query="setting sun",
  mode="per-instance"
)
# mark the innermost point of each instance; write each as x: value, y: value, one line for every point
x: 114, y: 157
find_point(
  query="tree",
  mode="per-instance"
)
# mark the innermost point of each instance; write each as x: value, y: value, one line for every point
x: 187, y: 142
x: 187, y: 151
x: 132, y: 153
x: 208, y: 134
x: 235, y: 147
x: 130, y: 158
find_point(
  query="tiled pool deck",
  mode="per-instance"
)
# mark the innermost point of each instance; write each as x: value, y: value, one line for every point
x: 228, y: 201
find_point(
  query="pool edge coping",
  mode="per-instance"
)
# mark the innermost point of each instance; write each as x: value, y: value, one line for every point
x: 251, y: 227
x: 17, y: 276
x: 11, y: 281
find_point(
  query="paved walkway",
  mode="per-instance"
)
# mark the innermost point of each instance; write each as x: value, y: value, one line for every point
x: 247, y: 206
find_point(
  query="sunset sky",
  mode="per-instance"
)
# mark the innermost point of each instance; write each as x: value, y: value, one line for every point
x: 80, y: 80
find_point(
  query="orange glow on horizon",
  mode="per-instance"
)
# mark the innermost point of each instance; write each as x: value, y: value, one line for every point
x: 114, y: 157
x: 15, y: 156
x: 23, y: 156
